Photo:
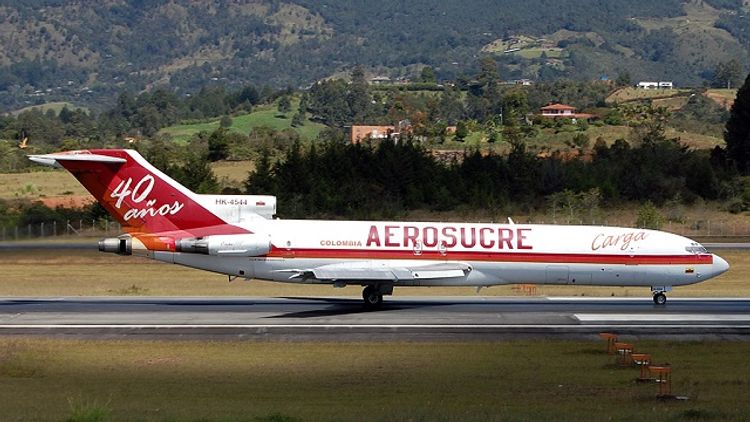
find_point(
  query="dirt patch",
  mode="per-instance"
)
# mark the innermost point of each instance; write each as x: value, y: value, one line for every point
x: 68, y: 201
x: 721, y: 100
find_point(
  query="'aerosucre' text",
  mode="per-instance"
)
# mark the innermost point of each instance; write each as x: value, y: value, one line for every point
x: 397, y: 236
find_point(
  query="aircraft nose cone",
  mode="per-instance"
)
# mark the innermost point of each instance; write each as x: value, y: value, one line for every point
x: 720, y: 265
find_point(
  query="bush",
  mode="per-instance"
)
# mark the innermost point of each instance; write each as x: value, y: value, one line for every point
x: 225, y: 122
x: 735, y: 205
x: 649, y: 217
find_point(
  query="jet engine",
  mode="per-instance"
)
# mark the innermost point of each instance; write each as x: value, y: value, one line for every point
x: 122, y: 245
x: 226, y: 245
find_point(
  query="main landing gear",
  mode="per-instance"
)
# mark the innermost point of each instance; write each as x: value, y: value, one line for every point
x: 373, y: 295
x: 660, y: 298
x: 373, y: 298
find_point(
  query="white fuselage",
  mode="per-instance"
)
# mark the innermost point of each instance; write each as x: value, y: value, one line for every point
x: 496, y: 254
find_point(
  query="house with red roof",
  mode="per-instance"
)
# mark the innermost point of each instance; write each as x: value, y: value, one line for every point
x: 563, y: 111
x: 359, y: 133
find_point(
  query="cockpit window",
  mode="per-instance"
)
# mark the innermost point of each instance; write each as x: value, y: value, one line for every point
x: 696, y: 248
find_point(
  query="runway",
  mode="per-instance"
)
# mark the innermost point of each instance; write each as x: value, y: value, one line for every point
x: 401, y: 318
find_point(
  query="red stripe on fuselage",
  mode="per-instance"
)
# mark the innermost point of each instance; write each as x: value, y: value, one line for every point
x: 536, y: 257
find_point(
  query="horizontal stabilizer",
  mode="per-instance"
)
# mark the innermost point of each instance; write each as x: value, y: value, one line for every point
x: 53, y: 159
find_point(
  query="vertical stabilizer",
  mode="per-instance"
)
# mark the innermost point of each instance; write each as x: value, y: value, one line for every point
x: 137, y: 194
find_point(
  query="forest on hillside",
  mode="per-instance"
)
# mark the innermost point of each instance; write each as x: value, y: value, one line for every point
x: 88, y: 53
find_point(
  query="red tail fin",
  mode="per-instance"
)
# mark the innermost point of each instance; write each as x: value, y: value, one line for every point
x: 137, y: 194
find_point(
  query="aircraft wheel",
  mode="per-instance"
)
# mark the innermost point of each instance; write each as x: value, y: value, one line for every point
x: 660, y: 299
x: 373, y: 298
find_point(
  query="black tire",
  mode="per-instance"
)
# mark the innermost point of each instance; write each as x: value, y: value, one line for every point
x: 372, y: 297
x: 660, y: 299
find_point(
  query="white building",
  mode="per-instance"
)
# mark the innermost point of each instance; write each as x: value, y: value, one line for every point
x: 655, y: 85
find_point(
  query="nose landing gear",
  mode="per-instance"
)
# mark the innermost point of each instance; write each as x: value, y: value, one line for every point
x: 660, y: 298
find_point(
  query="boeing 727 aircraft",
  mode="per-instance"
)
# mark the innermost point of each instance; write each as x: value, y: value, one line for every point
x: 238, y: 235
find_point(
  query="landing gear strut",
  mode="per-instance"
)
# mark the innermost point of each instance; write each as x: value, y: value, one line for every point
x: 659, y: 297
x: 372, y: 296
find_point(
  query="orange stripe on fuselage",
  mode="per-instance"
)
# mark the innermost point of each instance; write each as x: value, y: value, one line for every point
x: 536, y: 257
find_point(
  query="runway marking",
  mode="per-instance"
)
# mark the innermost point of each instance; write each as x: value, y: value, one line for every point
x: 663, y: 317
x: 648, y: 299
x: 348, y: 326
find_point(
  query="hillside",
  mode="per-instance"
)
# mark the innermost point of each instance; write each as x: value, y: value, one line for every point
x: 87, y: 53
x: 266, y: 116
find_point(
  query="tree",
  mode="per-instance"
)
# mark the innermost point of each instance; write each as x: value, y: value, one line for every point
x: 225, y: 121
x: 298, y: 120
x: 488, y: 73
x: 649, y: 217
x: 461, y: 131
x: 218, y: 145
x: 358, y: 96
x: 198, y: 176
x: 303, y: 104
x: 428, y: 75
x: 623, y: 79
x: 450, y: 108
x: 737, y: 129
x: 261, y: 181
x: 285, y: 105
x: 728, y: 74
x: 299, y: 117
x: 328, y: 102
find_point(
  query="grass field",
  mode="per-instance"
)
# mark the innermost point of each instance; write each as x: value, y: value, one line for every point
x: 232, y: 171
x: 39, y: 183
x: 728, y: 94
x: 262, y: 116
x: 48, y: 379
x: 536, y: 52
x: 624, y: 95
x: 61, y: 183
x: 91, y: 273
x: 723, y: 97
x: 54, y: 106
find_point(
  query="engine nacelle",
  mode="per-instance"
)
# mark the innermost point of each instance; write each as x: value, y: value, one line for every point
x: 122, y: 245
x: 226, y: 245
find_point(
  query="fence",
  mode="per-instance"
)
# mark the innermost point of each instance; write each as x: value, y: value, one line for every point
x: 83, y: 228
x: 690, y: 228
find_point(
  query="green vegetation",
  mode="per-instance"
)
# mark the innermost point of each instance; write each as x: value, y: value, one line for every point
x: 738, y: 130
x: 516, y: 380
x: 263, y: 116
x: 300, y: 42
x: 509, y: 158
x: 352, y: 180
x: 56, y: 107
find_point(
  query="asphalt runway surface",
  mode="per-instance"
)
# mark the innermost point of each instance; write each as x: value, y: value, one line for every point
x: 401, y: 318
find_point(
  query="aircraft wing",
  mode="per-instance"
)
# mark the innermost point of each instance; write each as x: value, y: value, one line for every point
x: 375, y: 271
